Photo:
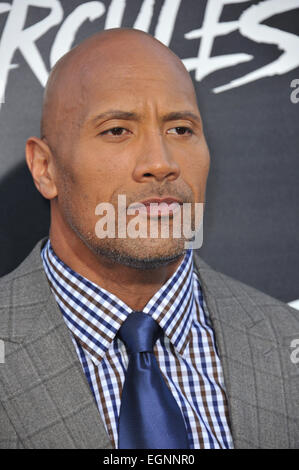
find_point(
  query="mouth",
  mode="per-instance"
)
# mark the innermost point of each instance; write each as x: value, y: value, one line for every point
x: 161, y: 207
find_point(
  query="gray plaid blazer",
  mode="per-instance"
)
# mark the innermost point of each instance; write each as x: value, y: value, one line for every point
x: 45, y: 400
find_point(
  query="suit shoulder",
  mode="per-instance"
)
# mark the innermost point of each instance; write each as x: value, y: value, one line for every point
x: 255, y: 303
x: 20, y: 291
x: 24, y: 280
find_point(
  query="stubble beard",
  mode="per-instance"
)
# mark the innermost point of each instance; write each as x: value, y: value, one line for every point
x: 143, y: 254
x: 140, y: 253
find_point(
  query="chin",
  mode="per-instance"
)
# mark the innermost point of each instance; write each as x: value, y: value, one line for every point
x: 141, y: 253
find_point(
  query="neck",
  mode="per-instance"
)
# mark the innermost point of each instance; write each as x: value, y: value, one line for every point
x: 135, y: 287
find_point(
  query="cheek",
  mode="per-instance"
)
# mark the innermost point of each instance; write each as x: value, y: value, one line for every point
x: 95, y: 181
x: 195, y: 167
x: 100, y: 162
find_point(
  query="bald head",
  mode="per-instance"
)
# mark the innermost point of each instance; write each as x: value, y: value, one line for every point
x: 104, y: 56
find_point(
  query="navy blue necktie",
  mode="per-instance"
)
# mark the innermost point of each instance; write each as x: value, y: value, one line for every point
x: 149, y: 415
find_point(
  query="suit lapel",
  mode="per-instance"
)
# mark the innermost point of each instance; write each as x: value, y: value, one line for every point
x: 46, y: 393
x: 250, y: 360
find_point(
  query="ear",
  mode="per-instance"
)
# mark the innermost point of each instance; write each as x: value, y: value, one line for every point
x: 39, y: 159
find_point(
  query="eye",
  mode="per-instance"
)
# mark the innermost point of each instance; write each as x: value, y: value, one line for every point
x: 181, y: 130
x: 115, y: 131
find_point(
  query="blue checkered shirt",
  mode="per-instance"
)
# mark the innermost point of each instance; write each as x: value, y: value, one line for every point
x: 186, y: 355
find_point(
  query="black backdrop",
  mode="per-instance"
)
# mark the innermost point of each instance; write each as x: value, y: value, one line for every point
x: 251, y: 226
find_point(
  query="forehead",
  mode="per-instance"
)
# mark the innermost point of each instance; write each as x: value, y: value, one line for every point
x: 140, y: 87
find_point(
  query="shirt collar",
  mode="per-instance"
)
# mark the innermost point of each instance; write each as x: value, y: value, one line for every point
x: 95, y: 315
x: 172, y: 305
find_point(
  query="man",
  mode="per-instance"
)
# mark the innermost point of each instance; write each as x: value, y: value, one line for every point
x: 120, y: 117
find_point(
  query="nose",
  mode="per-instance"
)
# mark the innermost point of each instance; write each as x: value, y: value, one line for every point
x: 155, y: 160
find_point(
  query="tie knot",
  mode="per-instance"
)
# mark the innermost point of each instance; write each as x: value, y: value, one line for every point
x: 139, y: 332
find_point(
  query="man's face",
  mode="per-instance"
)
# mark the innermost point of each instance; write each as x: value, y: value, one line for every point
x: 140, y: 136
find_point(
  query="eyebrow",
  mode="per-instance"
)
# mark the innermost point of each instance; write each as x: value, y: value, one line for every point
x: 176, y: 115
x: 129, y: 115
x: 116, y: 114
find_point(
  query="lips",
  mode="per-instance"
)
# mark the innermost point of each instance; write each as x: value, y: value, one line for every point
x: 157, y: 200
x: 166, y: 206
